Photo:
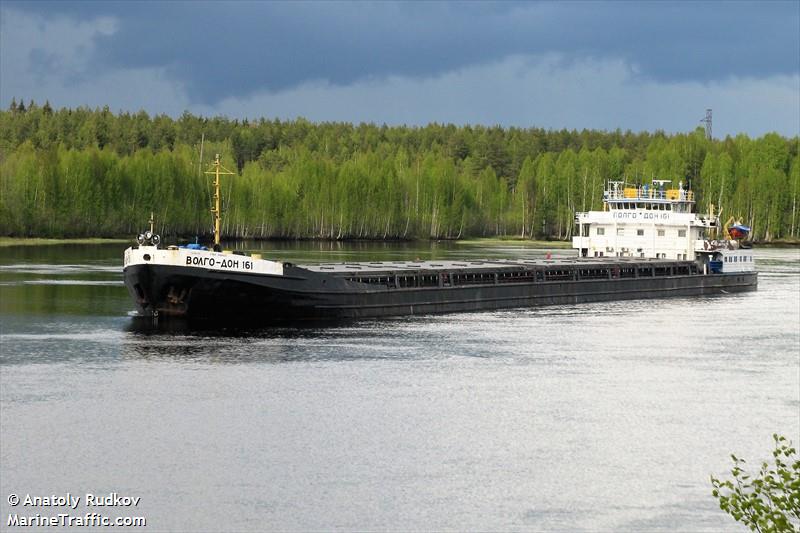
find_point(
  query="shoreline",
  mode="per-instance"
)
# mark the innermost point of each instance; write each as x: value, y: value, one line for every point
x: 45, y: 241
x: 555, y: 244
x: 42, y: 241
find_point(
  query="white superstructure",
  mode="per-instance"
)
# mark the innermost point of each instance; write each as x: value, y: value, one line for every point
x: 656, y: 221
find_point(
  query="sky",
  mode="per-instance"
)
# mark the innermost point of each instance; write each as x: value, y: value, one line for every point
x: 642, y: 66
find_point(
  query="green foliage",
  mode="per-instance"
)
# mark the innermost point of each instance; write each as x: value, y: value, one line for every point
x: 83, y: 172
x: 768, y: 501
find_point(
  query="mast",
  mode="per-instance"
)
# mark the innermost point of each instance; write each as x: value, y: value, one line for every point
x: 218, y: 170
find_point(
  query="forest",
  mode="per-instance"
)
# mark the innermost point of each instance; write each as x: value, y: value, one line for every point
x: 92, y: 173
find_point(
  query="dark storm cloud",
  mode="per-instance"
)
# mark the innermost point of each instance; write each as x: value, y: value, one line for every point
x: 222, y: 49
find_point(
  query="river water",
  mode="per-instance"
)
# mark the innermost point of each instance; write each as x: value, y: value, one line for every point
x: 597, y: 417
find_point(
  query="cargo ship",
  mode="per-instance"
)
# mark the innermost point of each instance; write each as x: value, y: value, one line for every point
x: 647, y: 242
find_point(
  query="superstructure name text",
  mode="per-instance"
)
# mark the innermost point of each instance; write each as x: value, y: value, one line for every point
x: 633, y: 215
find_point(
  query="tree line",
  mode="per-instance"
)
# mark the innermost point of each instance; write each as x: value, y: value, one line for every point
x: 91, y: 172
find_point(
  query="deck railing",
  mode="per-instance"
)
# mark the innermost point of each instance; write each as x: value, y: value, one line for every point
x: 647, y: 193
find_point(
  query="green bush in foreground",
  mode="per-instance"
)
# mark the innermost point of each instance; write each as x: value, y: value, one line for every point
x: 768, y: 501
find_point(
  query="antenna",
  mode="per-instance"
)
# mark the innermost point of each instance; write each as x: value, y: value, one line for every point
x: 202, y: 142
x: 707, y: 122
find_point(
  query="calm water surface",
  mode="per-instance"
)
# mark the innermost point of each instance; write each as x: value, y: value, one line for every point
x: 596, y: 417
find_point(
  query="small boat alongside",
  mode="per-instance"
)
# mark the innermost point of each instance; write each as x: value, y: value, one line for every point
x: 646, y: 243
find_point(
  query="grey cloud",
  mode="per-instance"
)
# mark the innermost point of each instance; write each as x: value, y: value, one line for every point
x: 218, y: 50
x: 42, y: 62
x: 543, y: 92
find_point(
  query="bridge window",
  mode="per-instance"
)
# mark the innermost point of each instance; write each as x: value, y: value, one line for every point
x: 681, y: 233
x: 601, y: 231
x: 639, y: 232
x: 620, y: 231
x: 661, y: 233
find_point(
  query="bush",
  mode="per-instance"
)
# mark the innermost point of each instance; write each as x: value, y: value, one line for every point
x: 768, y: 501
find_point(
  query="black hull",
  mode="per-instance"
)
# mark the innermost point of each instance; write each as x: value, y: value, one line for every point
x: 301, y: 294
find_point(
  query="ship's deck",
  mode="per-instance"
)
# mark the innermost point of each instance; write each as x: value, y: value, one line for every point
x: 396, y: 267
